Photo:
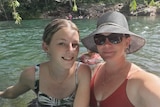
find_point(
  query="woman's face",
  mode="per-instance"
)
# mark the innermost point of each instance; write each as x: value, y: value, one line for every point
x: 115, y: 50
x: 64, y: 47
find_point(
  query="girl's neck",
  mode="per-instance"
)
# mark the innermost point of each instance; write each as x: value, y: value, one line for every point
x: 57, y: 73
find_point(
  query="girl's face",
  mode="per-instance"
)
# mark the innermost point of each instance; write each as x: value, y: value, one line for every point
x: 64, y: 47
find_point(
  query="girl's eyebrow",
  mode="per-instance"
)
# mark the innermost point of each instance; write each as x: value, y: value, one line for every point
x: 61, y: 39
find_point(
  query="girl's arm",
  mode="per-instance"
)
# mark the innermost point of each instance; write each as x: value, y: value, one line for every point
x: 23, y: 85
x: 83, y: 92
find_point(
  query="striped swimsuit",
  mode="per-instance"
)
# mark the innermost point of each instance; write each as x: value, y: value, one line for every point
x: 44, y: 100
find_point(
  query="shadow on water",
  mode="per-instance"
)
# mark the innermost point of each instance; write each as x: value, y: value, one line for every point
x: 20, y: 46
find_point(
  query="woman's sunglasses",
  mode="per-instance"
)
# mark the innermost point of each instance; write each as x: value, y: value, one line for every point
x: 113, y: 38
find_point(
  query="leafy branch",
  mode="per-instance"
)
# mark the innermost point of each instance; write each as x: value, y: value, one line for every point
x: 133, y: 5
x: 74, y: 6
x: 14, y: 4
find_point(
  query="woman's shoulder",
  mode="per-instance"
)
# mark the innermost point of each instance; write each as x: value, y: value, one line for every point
x: 137, y: 73
x: 141, y: 79
x: 142, y: 83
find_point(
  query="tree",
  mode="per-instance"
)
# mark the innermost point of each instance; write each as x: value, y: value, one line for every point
x: 3, y: 9
x: 9, y: 6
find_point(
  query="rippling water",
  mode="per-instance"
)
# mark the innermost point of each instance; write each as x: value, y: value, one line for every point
x: 20, y: 46
x: 149, y: 56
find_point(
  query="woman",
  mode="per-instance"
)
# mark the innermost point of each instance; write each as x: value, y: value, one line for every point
x: 61, y: 81
x: 118, y: 82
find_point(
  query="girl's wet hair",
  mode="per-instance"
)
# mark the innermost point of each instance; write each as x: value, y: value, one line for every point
x: 54, y: 26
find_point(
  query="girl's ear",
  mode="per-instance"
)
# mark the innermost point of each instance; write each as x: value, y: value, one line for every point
x: 45, y: 47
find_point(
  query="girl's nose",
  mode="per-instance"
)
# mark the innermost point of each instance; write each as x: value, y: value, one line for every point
x: 70, y: 47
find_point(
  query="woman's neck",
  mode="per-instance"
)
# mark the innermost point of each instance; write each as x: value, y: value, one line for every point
x: 117, y: 67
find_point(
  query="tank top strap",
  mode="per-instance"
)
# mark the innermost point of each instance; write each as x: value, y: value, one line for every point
x: 76, y: 73
x: 36, y: 85
x: 97, y: 70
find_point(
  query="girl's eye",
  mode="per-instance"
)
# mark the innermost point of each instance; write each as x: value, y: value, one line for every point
x: 61, y: 43
x: 75, y: 45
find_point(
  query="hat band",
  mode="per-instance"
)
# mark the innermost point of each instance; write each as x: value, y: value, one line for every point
x: 110, y: 23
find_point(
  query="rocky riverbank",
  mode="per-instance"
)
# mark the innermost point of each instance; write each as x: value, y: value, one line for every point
x: 91, y: 11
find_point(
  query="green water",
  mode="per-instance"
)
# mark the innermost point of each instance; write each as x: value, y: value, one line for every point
x: 20, y: 47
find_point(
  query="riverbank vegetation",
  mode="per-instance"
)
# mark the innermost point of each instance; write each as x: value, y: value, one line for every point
x: 33, y: 9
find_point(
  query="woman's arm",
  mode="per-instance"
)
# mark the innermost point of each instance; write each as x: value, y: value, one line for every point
x: 144, y: 90
x: 149, y: 91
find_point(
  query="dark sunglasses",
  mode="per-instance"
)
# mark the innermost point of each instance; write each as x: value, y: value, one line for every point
x: 113, y: 38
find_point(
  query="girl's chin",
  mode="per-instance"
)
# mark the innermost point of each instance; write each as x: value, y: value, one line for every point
x: 68, y: 64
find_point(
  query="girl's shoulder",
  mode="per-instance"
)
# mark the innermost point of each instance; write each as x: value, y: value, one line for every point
x: 28, y: 72
x: 84, y: 69
x: 28, y: 76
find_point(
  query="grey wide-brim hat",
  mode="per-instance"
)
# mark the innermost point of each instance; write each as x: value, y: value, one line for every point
x: 113, y: 22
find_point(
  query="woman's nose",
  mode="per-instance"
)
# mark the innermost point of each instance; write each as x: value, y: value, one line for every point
x: 107, y: 42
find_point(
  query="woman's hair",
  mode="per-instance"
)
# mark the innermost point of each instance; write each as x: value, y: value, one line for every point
x: 54, y: 26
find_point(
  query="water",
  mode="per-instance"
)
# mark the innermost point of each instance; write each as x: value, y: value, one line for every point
x: 20, y: 47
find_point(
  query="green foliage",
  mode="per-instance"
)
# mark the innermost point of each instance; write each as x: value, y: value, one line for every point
x: 146, y: 2
x: 152, y: 3
x: 17, y: 17
x: 157, y: 4
x: 133, y: 5
x: 14, y: 4
x: 74, y: 6
x: 29, y: 9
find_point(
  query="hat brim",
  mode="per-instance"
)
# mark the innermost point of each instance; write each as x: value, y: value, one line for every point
x: 136, y: 43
